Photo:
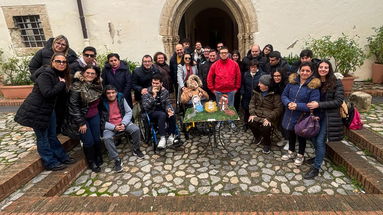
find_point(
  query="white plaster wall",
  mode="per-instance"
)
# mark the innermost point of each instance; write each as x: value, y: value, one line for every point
x: 281, y: 23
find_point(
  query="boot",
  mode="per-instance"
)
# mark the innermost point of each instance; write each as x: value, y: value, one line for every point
x: 90, y: 157
x: 98, y: 153
x: 312, y: 173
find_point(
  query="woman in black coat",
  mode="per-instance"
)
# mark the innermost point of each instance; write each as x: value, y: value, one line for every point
x: 83, y: 118
x: 236, y: 56
x: 37, y: 111
x: 331, y: 126
x: 117, y: 73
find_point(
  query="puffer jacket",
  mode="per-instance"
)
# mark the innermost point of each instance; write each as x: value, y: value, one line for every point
x: 125, y: 111
x: 122, y: 79
x: 224, y: 76
x: 329, y: 104
x: 43, y: 57
x: 300, y: 94
x: 162, y: 100
x: 267, y: 106
x: 36, y: 110
x: 81, y: 94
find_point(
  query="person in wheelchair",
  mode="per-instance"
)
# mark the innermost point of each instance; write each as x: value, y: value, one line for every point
x: 265, y: 109
x: 116, y: 118
x: 157, y: 105
x: 194, y: 88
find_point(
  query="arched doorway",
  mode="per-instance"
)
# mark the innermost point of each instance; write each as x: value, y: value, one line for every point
x: 179, y: 15
x: 209, y: 26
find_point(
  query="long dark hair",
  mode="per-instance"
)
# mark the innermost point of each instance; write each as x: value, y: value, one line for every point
x: 191, y: 59
x: 279, y: 87
x: 330, y: 79
x: 66, y: 72
x: 97, y: 80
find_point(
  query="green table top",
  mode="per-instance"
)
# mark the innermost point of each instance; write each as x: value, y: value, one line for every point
x: 208, y: 117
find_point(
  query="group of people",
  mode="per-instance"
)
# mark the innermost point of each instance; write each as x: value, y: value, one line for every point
x: 72, y: 95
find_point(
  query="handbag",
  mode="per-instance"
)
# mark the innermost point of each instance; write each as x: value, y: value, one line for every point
x: 307, y: 127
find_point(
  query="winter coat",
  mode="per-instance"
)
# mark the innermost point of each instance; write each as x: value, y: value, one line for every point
x: 173, y: 65
x: 44, y: 55
x: 78, y: 65
x: 193, y: 89
x: 249, y: 84
x: 166, y: 77
x: 269, y: 69
x: 125, y: 111
x: 122, y: 79
x: 300, y: 94
x: 203, y: 72
x: 162, y: 100
x: 142, y: 78
x: 224, y: 76
x: 81, y: 94
x: 181, y: 74
x: 267, y: 106
x: 261, y: 60
x: 329, y: 104
x: 36, y: 110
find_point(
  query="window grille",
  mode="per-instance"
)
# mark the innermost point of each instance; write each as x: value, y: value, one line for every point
x: 31, y: 31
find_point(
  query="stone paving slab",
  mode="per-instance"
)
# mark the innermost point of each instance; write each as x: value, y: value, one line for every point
x: 196, y: 170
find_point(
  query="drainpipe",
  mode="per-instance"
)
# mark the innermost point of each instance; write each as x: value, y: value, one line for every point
x: 82, y: 20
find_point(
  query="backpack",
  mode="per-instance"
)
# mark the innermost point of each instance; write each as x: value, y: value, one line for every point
x: 350, y: 116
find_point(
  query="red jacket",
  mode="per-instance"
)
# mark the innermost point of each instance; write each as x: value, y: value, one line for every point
x: 224, y: 76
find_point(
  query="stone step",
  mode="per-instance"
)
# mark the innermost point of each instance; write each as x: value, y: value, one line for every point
x: 356, y: 167
x: 259, y: 204
x: 26, y: 168
x: 368, y: 140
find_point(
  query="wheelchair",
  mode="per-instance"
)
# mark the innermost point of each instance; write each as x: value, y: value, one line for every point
x: 149, y: 131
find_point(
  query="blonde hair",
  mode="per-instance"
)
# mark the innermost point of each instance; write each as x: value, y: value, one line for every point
x: 58, y: 38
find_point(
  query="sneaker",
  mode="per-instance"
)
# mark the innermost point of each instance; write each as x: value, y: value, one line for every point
x: 117, y: 165
x: 70, y: 160
x: 282, y: 143
x: 162, y: 143
x: 299, y: 160
x: 170, y: 140
x: 286, y: 147
x: 57, y: 167
x: 266, y: 149
x: 138, y: 153
x: 233, y: 126
x: 312, y: 173
x: 289, y: 155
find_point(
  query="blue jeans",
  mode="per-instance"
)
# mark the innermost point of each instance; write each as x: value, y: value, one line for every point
x: 320, y: 143
x: 51, y: 151
x: 92, y: 134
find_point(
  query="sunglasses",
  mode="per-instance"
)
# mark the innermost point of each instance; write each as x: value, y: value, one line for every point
x: 60, y: 61
x: 61, y: 44
x: 90, y: 55
x: 187, y: 58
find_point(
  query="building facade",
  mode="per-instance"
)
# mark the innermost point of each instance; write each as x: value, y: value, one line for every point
x: 134, y: 28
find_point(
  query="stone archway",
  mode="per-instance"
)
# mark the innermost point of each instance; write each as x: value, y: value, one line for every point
x: 242, y: 10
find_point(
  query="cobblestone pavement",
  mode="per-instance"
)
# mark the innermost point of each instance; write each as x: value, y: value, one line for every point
x: 364, y: 85
x: 373, y: 119
x: 15, y: 140
x: 196, y: 170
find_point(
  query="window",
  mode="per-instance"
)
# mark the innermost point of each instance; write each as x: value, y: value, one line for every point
x: 31, y: 31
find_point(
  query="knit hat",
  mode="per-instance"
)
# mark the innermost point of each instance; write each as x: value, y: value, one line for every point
x: 265, y: 79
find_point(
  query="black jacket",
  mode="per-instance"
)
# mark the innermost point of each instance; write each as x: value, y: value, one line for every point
x: 37, y: 108
x: 269, y: 69
x: 203, y: 72
x: 142, y: 78
x: 173, y: 69
x: 329, y: 104
x: 249, y: 84
x: 261, y: 60
x: 43, y: 57
x: 122, y: 79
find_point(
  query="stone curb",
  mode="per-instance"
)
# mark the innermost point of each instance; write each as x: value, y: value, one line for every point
x: 367, y: 140
x: 11, y: 102
x: 26, y: 168
x: 259, y: 204
x: 358, y: 168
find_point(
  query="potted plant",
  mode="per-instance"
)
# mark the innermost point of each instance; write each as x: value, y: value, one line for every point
x: 375, y: 45
x: 344, y: 51
x: 16, y: 82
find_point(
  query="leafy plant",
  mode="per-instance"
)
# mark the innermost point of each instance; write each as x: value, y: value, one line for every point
x: 375, y: 45
x: 344, y: 50
x: 15, y: 70
x: 102, y: 59
x: 292, y: 58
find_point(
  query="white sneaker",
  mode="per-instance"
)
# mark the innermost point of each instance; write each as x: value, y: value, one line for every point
x: 289, y: 155
x: 286, y: 147
x: 162, y: 143
x: 170, y: 140
x: 299, y: 160
x: 233, y: 126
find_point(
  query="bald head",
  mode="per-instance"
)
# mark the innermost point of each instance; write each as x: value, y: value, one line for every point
x: 255, y: 50
x: 180, y: 50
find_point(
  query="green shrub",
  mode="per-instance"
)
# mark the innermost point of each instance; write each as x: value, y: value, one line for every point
x: 375, y: 45
x: 15, y: 70
x: 292, y: 58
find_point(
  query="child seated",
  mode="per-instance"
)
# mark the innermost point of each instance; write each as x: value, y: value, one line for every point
x: 194, y: 87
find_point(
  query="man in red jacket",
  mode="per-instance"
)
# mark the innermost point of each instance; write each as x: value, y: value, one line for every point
x: 224, y: 78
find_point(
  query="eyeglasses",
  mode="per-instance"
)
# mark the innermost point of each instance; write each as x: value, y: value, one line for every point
x: 276, y: 76
x: 61, y: 44
x: 223, y: 52
x: 90, y: 55
x: 187, y: 58
x: 60, y: 61
x: 219, y: 46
